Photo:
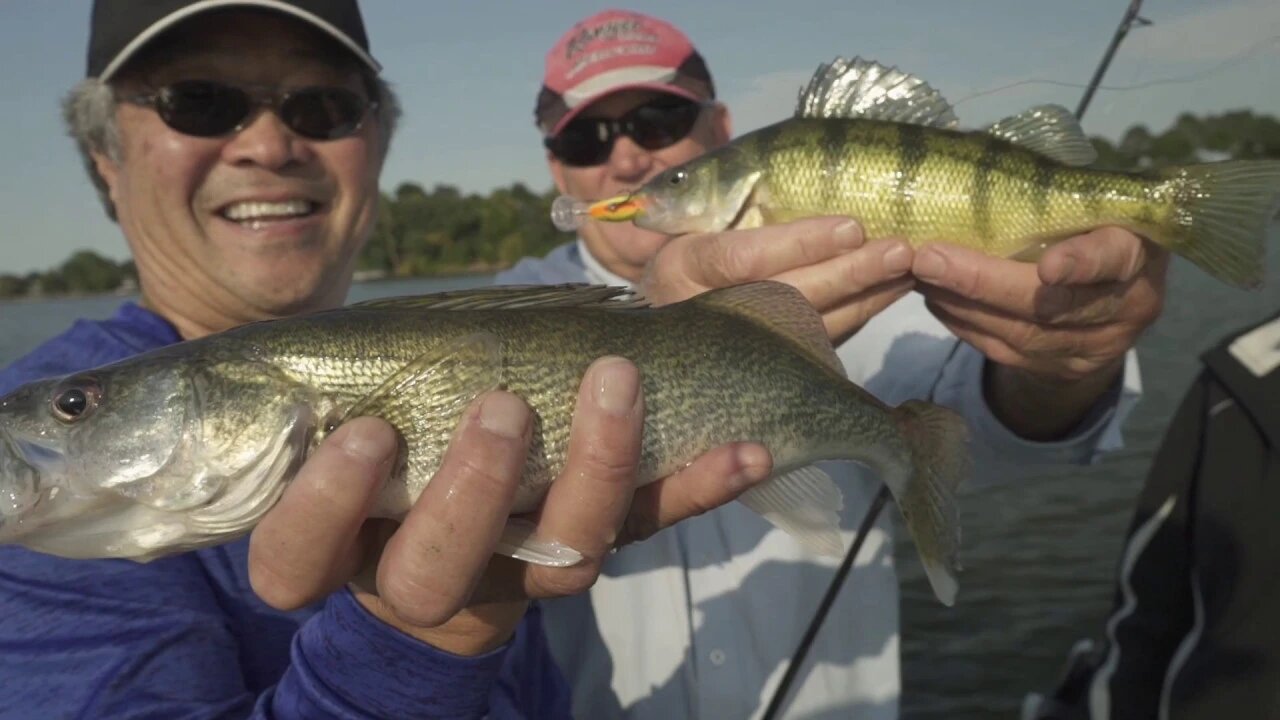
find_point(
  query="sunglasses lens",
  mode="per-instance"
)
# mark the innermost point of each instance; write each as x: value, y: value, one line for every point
x: 209, y: 109
x: 655, y: 126
x: 659, y: 124
x: 582, y: 143
x: 203, y: 109
x: 323, y: 113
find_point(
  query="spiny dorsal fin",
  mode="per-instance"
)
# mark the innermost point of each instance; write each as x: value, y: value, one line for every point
x: 860, y: 88
x: 513, y: 297
x: 1050, y: 130
x: 780, y: 308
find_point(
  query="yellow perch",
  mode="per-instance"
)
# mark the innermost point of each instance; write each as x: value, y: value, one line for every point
x: 881, y: 146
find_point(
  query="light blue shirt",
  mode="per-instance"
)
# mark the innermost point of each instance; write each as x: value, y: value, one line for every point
x: 701, y: 619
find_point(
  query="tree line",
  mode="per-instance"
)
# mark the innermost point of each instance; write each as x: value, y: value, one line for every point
x: 424, y: 232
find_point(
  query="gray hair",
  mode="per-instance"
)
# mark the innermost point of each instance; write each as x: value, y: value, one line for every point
x: 89, y: 112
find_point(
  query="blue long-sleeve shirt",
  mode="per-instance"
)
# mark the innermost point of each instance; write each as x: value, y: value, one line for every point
x: 186, y: 637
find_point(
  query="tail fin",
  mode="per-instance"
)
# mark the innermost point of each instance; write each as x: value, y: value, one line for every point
x: 1227, y: 217
x: 936, y: 438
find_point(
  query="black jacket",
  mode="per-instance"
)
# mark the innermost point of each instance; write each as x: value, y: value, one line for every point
x: 1195, y: 629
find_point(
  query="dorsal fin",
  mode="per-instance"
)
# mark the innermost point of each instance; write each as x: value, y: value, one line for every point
x: 780, y: 308
x: 1050, y: 130
x: 513, y: 297
x: 860, y: 88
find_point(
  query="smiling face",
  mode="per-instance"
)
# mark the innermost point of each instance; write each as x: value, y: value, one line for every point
x: 255, y: 224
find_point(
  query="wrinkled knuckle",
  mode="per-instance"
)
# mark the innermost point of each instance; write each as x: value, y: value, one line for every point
x: 738, y: 263
x: 702, y: 503
x: 610, y: 460
x: 1030, y: 338
x: 483, y: 474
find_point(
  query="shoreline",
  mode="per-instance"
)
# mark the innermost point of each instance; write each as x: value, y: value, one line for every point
x: 359, y: 279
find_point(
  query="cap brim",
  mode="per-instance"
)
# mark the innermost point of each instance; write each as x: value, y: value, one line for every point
x: 168, y: 21
x: 664, y: 87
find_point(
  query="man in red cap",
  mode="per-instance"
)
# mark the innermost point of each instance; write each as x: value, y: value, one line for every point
x: 702, y: 620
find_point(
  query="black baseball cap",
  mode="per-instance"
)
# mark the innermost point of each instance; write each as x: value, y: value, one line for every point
x: 118, y: 29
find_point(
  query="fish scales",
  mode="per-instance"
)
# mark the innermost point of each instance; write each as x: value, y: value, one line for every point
x: 189, y: 445
x: 935, y: 185
x: 881, y: 146
x: 544, y: 356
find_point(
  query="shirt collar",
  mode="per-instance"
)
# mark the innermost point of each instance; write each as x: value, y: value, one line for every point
x: 596, y: 272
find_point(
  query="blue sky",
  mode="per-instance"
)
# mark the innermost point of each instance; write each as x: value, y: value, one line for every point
x: 467, y: 74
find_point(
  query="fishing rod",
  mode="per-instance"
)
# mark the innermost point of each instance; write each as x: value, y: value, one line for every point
x: 1130, y: 17
x: 882, y: 496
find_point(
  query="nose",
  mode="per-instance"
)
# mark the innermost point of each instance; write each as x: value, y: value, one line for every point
x: 266, y: 142
x: 628, y: 162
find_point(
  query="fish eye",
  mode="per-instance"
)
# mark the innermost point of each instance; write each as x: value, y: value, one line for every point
x: 76, y: 401
x: 677, y: 178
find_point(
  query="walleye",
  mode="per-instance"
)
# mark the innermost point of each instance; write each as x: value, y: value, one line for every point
x: 881, y: 146
x: 189, y: 445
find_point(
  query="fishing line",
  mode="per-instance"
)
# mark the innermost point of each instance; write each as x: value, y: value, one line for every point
x: 1175, y: 80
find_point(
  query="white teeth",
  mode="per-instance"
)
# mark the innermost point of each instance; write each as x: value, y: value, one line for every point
x: 262, y: 210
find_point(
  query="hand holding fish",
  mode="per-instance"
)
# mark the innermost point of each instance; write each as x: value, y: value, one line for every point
x: 434, y: 576
x: 847, y: 279
x: 1056, y: 331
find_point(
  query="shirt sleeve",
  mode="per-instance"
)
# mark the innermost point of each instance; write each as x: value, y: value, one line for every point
x: 113, y: 638
x: 346, y: 663
x: 960, y: 387
x: 906, y: 353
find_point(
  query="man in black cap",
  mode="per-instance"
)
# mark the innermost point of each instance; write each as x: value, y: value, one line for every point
x: 238, y: 145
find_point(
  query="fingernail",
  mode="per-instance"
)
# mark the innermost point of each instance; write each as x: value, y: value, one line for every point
x: 897, y: 259
x: 754, y: 465
x: 504, y: 414
x: 367, y: 440
x: 616, y: 386
x: 930, y: 265
x: 848, y: 234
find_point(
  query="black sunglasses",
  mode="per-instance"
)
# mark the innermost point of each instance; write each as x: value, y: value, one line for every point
x: 204, y: 108
x: 653, y: 126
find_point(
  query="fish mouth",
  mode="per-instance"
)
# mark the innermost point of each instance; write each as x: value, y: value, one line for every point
x: 619, y: 208
x: 22, y: 465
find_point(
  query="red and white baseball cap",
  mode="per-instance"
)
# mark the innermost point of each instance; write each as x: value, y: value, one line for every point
x: 617, y: 50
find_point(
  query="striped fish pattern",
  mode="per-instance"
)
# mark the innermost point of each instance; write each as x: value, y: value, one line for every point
x: 900, y: 166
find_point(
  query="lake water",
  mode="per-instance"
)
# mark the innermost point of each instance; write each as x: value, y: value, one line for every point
x: 1039, y: 555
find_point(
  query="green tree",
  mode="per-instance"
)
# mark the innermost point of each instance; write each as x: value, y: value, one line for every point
x: 87, y: 271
